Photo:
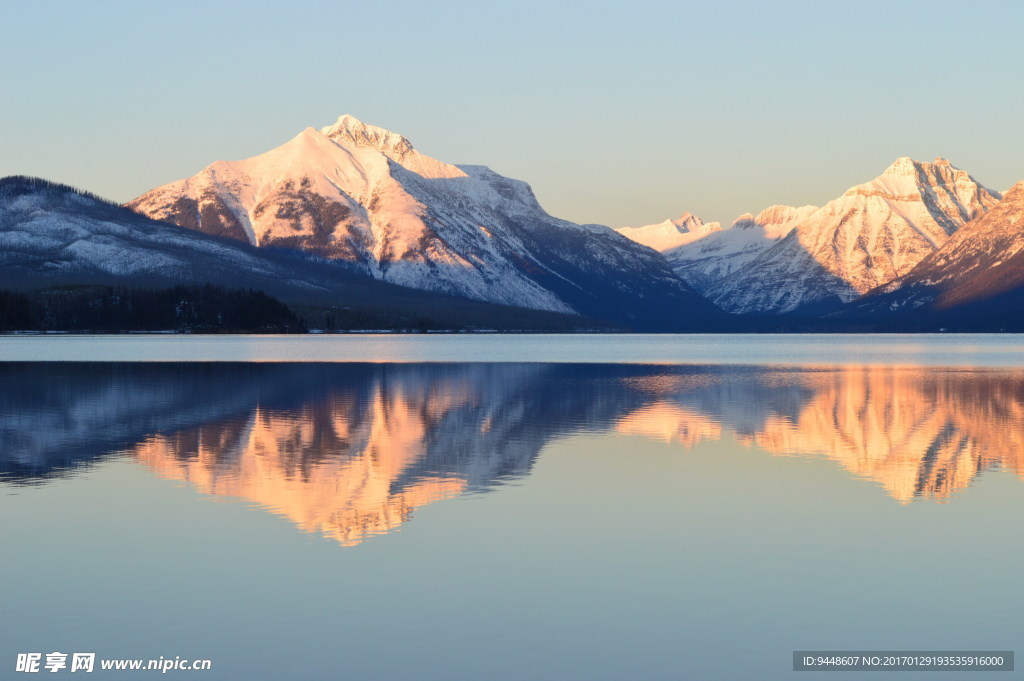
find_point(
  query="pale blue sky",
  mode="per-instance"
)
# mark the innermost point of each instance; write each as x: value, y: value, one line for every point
x: 620, y: 113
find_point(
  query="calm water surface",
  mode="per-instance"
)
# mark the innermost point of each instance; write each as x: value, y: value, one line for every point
x: 394, y: 519
x: 817, y: 349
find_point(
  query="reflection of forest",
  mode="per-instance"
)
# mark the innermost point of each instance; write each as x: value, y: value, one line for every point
x: 352, y: 450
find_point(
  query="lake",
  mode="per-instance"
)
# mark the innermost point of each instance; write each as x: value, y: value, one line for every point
x: 510, y: 507
x: 766, y: 349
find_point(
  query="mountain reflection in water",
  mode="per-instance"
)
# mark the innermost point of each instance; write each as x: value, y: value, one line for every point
x: 351, y: 450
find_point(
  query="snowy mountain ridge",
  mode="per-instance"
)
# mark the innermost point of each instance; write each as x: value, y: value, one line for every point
x: 670, y: 234
x: 54, y: 236
x: 363, y: 195
x: 979, y: 267
x: 788, y: 258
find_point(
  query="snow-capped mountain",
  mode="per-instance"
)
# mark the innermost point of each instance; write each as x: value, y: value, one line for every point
x: 792, y: 258
x: 710, y: 259
x: 872, y: 234
x: 363, y: 195
x: 979, y: 271
x: 671, y: 234
x: 54, y: 235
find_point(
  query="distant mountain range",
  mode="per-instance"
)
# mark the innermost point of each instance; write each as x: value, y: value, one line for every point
x: 351, y: 221
x: 798, y: 259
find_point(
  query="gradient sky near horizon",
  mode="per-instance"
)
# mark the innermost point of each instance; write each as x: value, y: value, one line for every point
x: 617, y: 113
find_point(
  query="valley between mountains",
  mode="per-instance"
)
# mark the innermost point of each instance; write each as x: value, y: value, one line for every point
x: 353, y: 228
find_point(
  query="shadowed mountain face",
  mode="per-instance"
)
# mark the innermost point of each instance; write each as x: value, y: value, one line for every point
x: 352, y: 450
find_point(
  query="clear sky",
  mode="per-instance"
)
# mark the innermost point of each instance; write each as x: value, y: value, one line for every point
x: 621, y: 113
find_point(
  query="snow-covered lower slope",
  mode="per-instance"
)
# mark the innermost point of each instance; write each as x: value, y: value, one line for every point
x: 55, y: 234
x: 361, y: 194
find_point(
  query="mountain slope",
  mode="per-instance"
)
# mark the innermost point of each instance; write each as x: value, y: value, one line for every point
x: 788, y: 259
x: 874, y: 233
x: 363, y: 195
x: 978, y: 272
x: 53, y: 235
x: 707, y: 263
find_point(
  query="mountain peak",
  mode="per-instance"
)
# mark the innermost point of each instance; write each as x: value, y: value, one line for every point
x: 670, y: 234
x: 745, y: 221
x: 904, y: 166
x: 687, y: 222
x: 350, y: 129
x: 908, y: 180
x: 1015, y: 193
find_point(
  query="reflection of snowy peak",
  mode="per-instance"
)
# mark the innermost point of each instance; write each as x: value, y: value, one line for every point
x: 919, y: 433
x: 349, y: 450
x: 363, y: 195
x: 352, y: 450
x: 790, y: 258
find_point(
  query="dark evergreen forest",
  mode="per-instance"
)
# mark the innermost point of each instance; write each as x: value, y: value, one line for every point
x: 185, y: 309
